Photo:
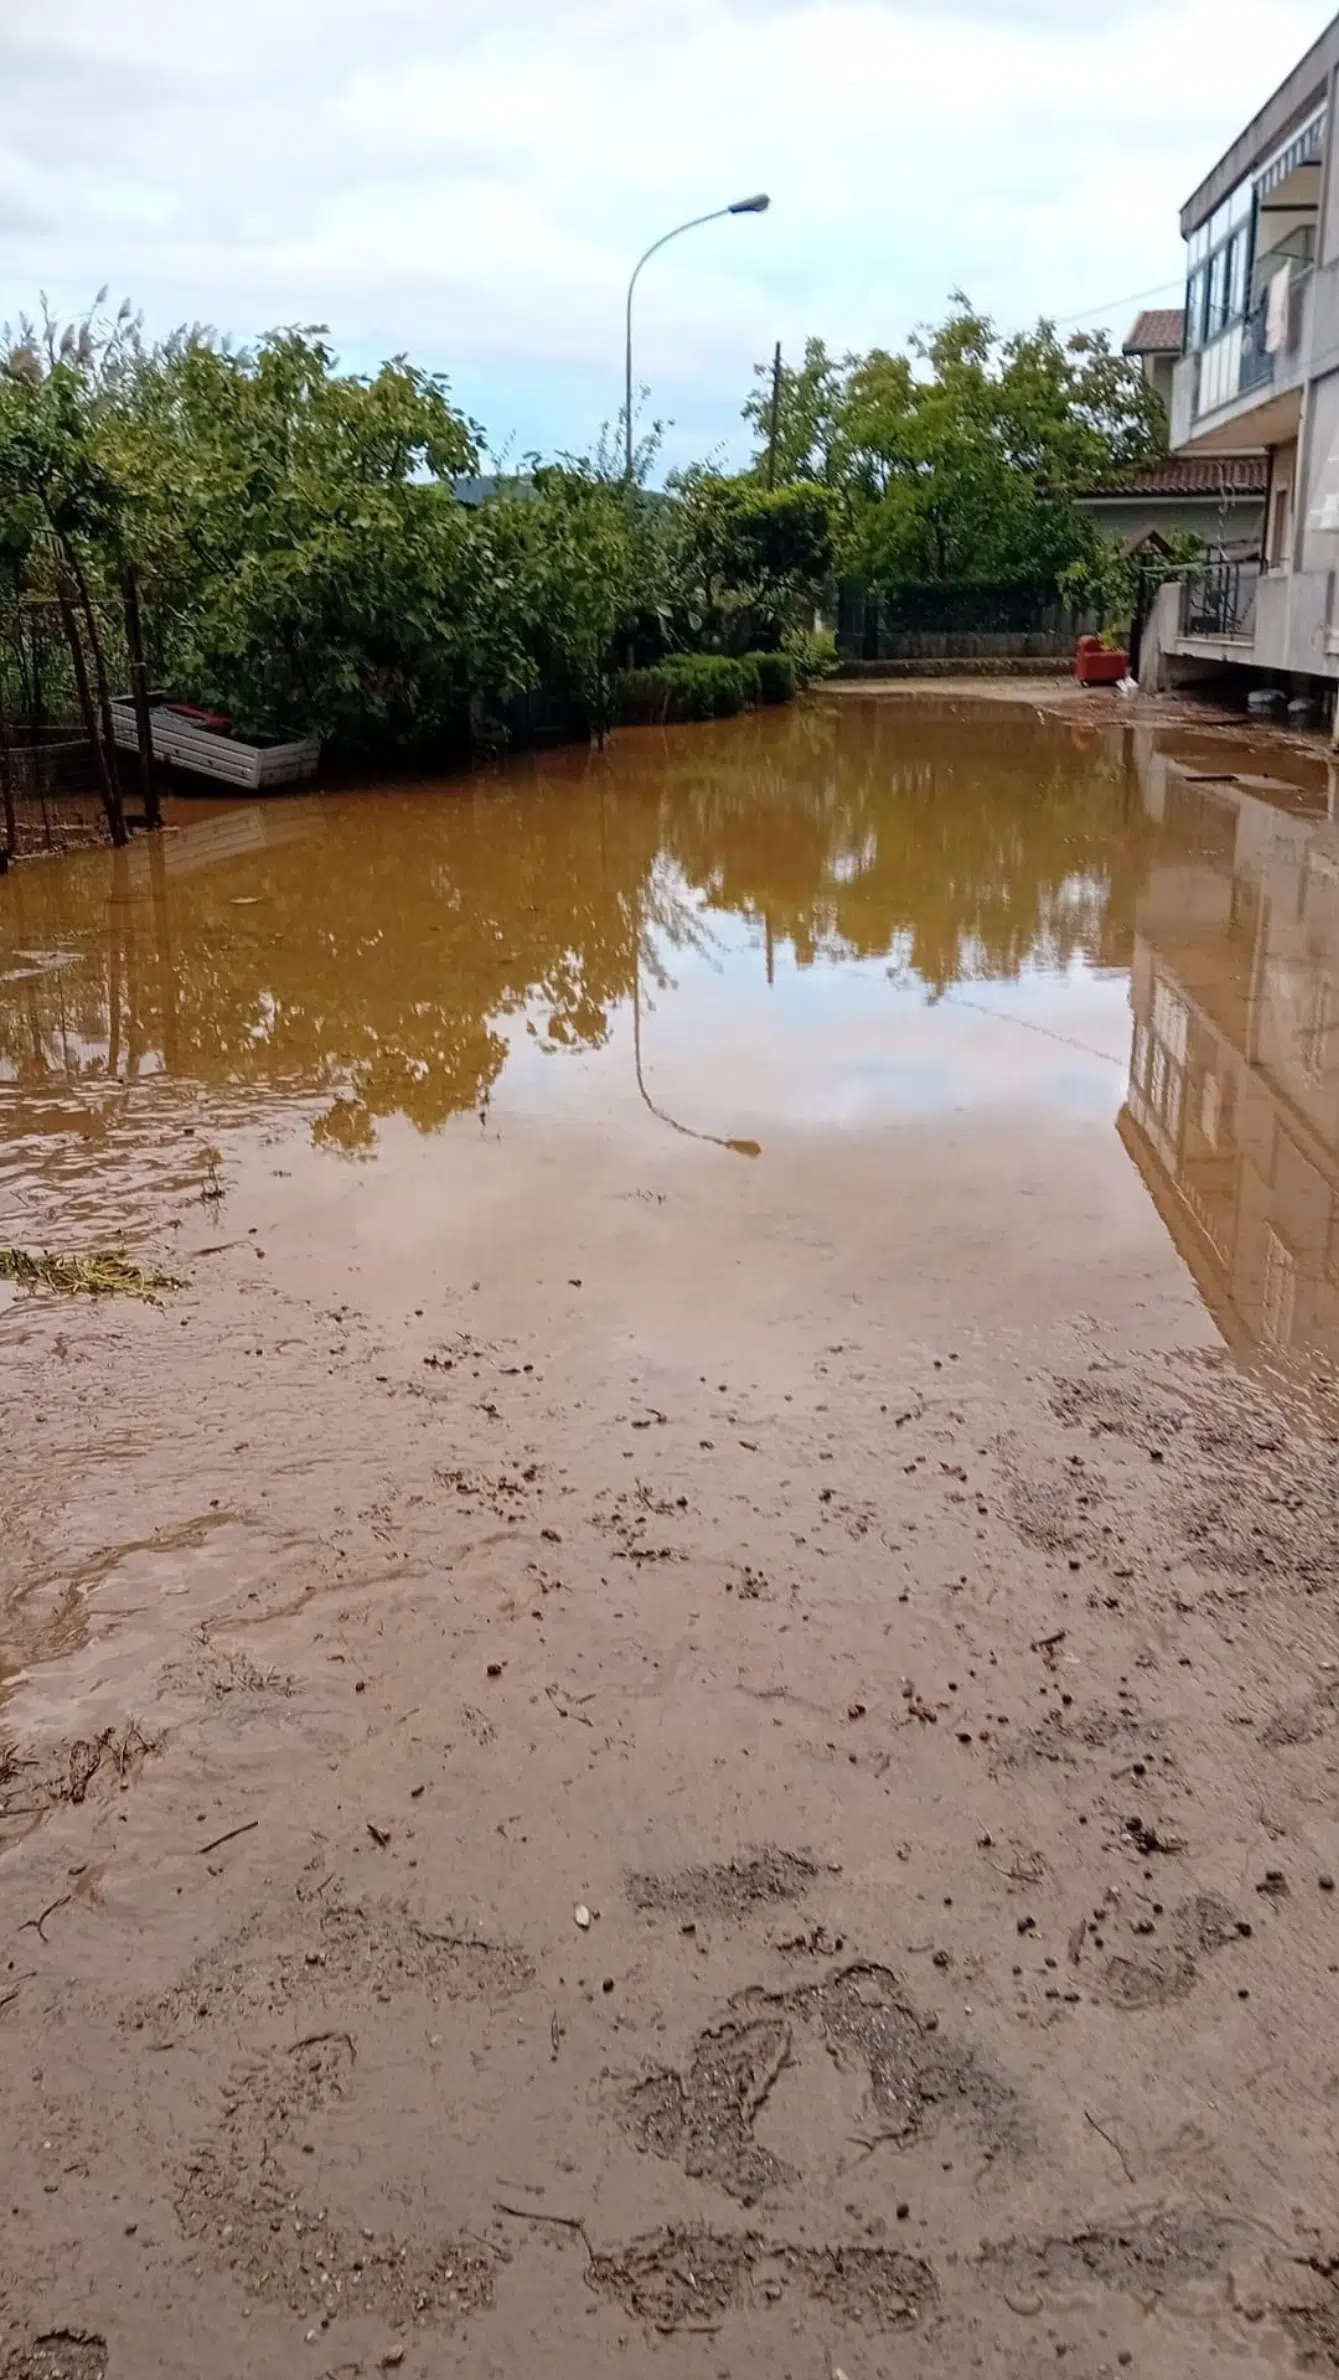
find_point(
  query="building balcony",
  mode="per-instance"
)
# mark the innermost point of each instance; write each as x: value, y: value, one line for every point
x: 1233, y: 393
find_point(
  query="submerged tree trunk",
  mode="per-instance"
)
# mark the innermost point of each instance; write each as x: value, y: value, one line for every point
x: 104, y: 695
x: 139, y: 687
x: 9, y: 850
x: 111, y: 795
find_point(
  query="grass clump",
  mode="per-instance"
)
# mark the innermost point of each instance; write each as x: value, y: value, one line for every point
x: 103, y: 1272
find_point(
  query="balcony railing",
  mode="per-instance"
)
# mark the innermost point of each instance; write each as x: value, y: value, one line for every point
x: 1218, y: 602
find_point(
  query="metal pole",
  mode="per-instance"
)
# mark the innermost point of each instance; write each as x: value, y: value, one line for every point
x: 741, y: 206
x: 776, y: 417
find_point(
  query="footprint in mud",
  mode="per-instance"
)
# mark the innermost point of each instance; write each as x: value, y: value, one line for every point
x: 732, y: 1890
x: 60, y: 2355
x: 1050, y: 1505
x: 1143, y: 2258
x: 1198, y: 1929
x: 681, y: 2279
x: 235, y: 2198
x: 351, y: 1952
x: 1065, y: 1736
x: 704, y: 2118
x: 1111, y: 1407
x: 1303, y: 1722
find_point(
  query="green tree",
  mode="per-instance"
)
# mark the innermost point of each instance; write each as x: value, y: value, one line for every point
x: 961, y: 459
x: 749, y: 563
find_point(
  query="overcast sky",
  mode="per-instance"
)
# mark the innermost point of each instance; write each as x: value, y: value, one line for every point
x: 469, y: 180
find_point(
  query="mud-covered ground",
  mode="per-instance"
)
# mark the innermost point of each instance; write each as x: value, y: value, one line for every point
x: 939, y: 1738
x: 618, y: 1758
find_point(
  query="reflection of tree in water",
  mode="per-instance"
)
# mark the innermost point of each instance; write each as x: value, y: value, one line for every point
x: 380, y: 954
x: 385, y: 949
x: 957, y: 848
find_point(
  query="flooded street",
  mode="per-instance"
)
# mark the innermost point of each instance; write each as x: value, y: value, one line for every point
x: 676, y: 1714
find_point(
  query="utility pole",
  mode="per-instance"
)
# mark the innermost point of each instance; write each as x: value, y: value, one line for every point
x: 775, y: 422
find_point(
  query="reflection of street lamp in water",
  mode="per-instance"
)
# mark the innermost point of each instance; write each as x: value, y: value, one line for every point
x: 742, y: 1148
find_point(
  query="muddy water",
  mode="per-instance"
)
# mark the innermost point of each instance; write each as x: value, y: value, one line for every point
x: 1005, y: 1011
x: 681, y: 1693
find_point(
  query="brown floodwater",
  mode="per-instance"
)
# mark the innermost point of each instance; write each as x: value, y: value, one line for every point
x: 1019, y: 1013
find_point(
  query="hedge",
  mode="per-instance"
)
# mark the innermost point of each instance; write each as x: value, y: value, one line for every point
x: 702, y: 686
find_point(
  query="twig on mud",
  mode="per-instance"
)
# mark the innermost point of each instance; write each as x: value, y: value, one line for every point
x: 230, y: 1837
x: 316, y: 2041
x: 571, y: 1701
x: 1112, y: 2143
x: 532, y: 2214
x: 37, y: 1923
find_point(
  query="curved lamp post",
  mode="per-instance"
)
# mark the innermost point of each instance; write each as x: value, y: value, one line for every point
x: 757, y: 205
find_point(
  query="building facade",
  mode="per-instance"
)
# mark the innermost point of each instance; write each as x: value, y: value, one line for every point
x: 1260, y: 376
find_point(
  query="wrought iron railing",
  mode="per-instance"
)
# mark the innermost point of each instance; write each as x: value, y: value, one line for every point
x: 1218, y: 601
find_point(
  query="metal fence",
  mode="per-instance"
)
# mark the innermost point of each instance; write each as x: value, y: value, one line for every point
x: 929, y: 622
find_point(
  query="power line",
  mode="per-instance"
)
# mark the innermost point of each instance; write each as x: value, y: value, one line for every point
x: 1136, y: 296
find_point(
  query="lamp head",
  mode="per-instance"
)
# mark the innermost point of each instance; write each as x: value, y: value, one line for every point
x: 757, y: 205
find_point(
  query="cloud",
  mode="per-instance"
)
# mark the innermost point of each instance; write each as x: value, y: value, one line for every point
x: 471, y: 181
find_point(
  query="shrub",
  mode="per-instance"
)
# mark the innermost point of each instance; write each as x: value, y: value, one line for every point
x: 705, y: 686
x: 812, y: 653
x: 776, y: 676
x: 749, y: 666
x: 685, y: 686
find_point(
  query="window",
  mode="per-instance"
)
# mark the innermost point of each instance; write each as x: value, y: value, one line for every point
x: 1278, y: 550
x: 1317, y: 1021
x: 1280, y: 1289
x: 1219, y: 257
x: 1236, y: 290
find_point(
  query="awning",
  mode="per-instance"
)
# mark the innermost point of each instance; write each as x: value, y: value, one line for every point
x: 1303, y: 149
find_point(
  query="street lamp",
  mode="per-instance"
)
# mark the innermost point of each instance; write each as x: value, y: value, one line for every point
x: 757, y: 205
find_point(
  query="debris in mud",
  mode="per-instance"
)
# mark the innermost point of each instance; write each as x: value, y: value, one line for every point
x: 1164, y: 2252
x: 688, y: 2279
x: 60, y: 2355
x: 1147, y: 1840
x: 374, y: 1948
x: 1198, y: 1929
x: 728, y: 1891
x: 105, y: 1272
x: 704, y: 2120
x: 30, y: 1785
x: 235, y: 2200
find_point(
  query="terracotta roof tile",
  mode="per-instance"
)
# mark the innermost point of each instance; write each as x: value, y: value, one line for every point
x: 1193, y: 475
x: 1161, y: 330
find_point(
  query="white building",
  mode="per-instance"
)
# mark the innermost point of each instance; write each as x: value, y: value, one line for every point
x: 1260, y: 375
